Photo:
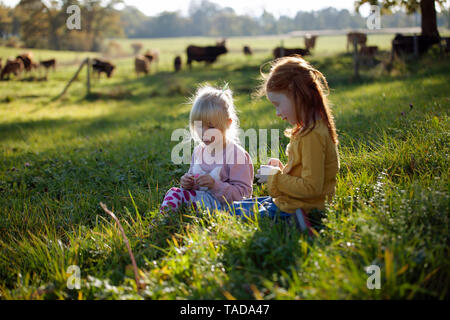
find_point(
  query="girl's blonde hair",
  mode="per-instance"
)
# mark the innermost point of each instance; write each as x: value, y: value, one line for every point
x: 215, y: 106
x: 308, y: 89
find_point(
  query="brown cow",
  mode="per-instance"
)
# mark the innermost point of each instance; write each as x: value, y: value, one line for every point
x: 152, y: 55
x: 27, y: 60
x: 141, y: 64
x: 247, y: 51
x: 360, y: 37
x: 310, y: 41
x: 100, y: 66
x: 177, y: 63
x: 47, y: 64
x: 369, y: 51
x: 279, y: 52
x: 12, y: 66
x: 367, y: 54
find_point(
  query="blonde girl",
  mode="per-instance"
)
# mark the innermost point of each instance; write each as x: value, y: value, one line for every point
x: 221, y: 171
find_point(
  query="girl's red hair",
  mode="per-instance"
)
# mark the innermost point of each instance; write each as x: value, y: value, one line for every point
x: 306, y: 87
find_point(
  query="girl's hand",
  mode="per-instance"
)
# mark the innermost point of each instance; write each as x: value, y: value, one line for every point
x: 187, y: 181
x: 264, y: 172
x: 205, y: 181
x: 275, y: 163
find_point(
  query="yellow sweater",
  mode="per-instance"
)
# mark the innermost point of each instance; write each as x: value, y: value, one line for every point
x: 309, y: 177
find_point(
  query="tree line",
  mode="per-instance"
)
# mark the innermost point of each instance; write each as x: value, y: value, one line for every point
x: 42, y: 24
x: 206, y: 18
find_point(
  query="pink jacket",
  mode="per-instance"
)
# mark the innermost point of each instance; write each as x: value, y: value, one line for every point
x: 235, y: 174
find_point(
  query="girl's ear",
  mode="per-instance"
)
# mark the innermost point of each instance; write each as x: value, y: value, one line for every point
x: 229, y: 122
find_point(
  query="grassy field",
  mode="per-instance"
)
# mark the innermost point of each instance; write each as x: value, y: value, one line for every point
x: 60, y: 158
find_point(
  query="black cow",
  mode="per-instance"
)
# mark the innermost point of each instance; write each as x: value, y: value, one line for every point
x: 47, y: 64
x: 279, y: 52
x: 247, y: 51
x: 177, y: 63
x: 409, y: 44
x: 100, y: 66
x: 208, y: 54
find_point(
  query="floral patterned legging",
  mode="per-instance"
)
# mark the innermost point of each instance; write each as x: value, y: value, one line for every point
x: 175, y: 197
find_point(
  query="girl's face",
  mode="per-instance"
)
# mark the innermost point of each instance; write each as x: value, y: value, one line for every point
x: 284, y: 106
x: 210, y: 133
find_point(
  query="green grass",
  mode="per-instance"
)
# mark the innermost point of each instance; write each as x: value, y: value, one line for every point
x: 60, y: 159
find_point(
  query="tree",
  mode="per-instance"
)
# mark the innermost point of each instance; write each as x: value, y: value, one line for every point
x: 5, y: 20
x: 427, y: 10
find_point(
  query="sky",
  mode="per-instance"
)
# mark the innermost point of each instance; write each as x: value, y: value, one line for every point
x: 250, y: 7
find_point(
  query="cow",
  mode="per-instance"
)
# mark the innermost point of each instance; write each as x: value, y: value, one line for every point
x: 368, y: 51
x: 177, y: 63
x: 412, y: 44
x: 367, y: 54
x: 47, y: 64
x: 361, y: 39
x: 141, y: 64
x: 27, y: 60
x: 279, y: 52
x: 100, y: 66
x: 247, y: 51
x: 12, y: 66
x: 208, y: 54
x: 152, y: 56
x: 310, y: 41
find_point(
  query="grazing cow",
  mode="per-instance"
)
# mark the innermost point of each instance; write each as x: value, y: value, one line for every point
x: 100, y: 66
x: 47, y: 64
x: 177, y: 63
x: 12, y: 66
x: 310, y: 41
x: 27, y: 60
x: 208, y: 54
x: 409, y: 44
x: 152, y: 55
x: 369, y: 51
x: 367, y: 55
x: 279, y: 52
x: 361, y: 39
x: 247, y: 51
x: 141, y: 64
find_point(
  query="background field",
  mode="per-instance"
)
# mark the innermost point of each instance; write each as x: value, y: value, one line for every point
x: 60, y: 158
